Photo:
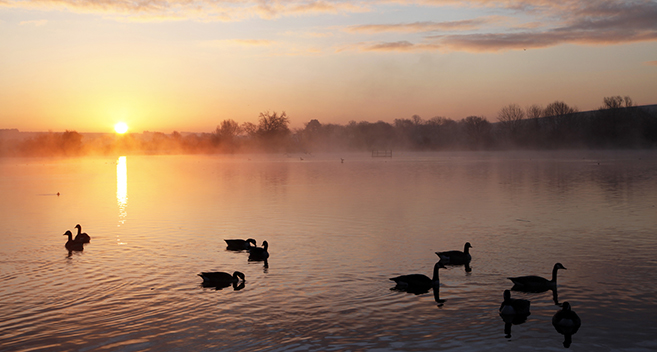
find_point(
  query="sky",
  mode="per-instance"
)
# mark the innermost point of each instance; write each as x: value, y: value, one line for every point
x: 187, y: 65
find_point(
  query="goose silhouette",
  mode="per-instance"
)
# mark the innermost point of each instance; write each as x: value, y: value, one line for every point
x: 219, y: 280
x: 534, y: 283
x: 513, y: 311
x: 456, y: 257
x: 418, y: 283
x: 566, y: 322
x: 239, y: 245
x: 71, y: 244
x: 259, y: 253
x: 81, y: 236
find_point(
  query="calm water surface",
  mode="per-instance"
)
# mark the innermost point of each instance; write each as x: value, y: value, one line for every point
x: 337, y: 232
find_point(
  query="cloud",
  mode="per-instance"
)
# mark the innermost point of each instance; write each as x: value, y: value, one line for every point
x: 419, y: 27
x: 200, y: 10
x: 37, y: 23
x: 598, y: 24
x: 400, y: 46
x: 239, y: 42
x: 566, y: 22
x: 651, y: 63
x: 512, y: 25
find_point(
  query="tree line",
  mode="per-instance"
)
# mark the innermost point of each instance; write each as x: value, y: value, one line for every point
x: 618, y: 123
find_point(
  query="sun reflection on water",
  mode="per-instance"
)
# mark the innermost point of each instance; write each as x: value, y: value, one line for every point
x: 121, y: 191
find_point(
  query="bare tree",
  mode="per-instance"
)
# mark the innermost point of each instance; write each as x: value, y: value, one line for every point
x: 273, y: 125
x: 249, y: 128
x: 617, y: 102
x: 534, y: 111
x: 478, y: 130
x: 559, y: 108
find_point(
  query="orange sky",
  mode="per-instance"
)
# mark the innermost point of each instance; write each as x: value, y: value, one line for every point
x: 164, y: 66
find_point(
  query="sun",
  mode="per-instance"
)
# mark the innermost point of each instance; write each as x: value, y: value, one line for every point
x: 121, y: 127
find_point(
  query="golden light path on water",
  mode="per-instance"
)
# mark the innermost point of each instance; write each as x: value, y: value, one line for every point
x: 121, y: 191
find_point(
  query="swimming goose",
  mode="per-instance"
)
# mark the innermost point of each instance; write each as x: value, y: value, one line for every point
x: 259, y: 253
x: 513, y: 312
x: 514, y: 306
x: 566, y: 322
x: 81, y: 236
x: 536, y: 283
x: 418, y: 282
x: 238, y: 245
x: 220, y: 279
x: 456, y: 257
x: 71, y: 244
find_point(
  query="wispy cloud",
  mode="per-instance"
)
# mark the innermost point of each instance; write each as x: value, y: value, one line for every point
x: 651, y: 63
x: 567, y: 22
x: 238, y: 42
x: 37, y: 23
x: 516, y: 24
x: 201, y: 10
x: 420, y: 27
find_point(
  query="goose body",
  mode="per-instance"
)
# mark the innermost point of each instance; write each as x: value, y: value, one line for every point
x: 218, y: 277
x: 534, y: 283
x: 240, y: 244
x: 71, y: 244
x: 566, y: 322
x: 259, y: 253
x: 419, y: 282
x: 456, y: 257
x: 81, y: 236
x: 514, y: 306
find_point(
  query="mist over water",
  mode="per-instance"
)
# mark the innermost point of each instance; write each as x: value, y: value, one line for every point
x: 337, y: 232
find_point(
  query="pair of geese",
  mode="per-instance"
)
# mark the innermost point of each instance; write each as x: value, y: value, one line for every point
x: 77, y: 243
x: 529, y: 283
x: 565, y: 321
x: 223, y: 279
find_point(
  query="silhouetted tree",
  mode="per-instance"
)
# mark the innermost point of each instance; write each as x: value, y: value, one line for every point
x: 617, y: 102
x: 225, y: 135
x: 558, y: 108
x: 273, y: 130
x: 478, y: 131
x: 273, y: 125
x: 510, y: 118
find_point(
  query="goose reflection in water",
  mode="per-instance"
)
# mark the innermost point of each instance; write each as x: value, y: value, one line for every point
x: 566, y: 322
x: 537, y: 284
x: 513, y: 311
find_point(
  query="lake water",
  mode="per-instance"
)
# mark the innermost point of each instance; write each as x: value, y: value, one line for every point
x: 337, y: 232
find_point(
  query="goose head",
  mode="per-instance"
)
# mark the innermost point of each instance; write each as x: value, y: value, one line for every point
x: 238, y: 275
x: 507, y: 295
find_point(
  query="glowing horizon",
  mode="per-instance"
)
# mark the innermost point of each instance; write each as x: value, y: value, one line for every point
x: 187, y: 66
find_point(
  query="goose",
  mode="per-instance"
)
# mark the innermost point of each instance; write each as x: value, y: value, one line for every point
x: 566, y: 322
x: 220, y: 280
x: 536, y: 283
x: 259, y: 253
x: 418, y: 282
x: 81, y: 236
x: 71, y: 244
x: 456, y: 257
x: 513, y: 312
x: 514, y: 306
x: 240, y: 244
